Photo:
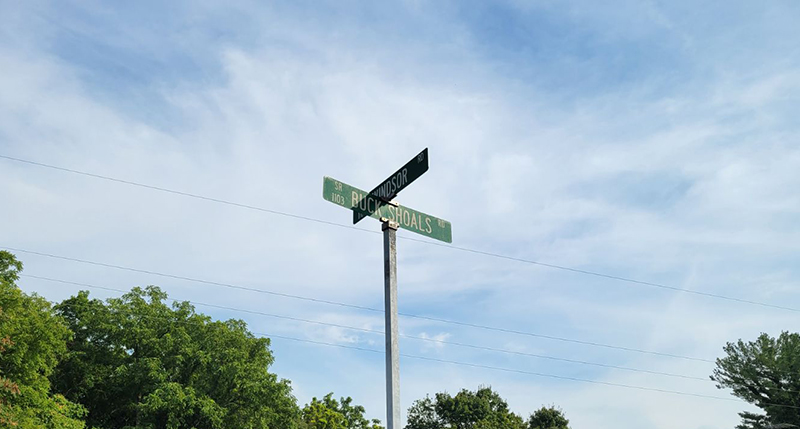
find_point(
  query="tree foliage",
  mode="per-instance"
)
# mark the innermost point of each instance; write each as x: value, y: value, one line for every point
x: 482, y: 409
x: 766, y: 373
x: 548, y: 418
x: 10, y: 267
x: 32, y: 339
x: 329, y: 413
x: 136, y: 362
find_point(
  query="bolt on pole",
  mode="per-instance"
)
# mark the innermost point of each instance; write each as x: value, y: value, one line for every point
x: 392, y: 346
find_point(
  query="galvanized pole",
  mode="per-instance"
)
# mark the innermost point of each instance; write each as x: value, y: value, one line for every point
x: 390, y: 303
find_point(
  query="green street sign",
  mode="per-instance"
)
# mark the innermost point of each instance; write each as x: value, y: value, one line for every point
x: 401, y: 178
x: 366, y: 204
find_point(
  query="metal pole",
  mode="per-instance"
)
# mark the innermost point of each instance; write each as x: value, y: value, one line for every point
x: 390, y: 303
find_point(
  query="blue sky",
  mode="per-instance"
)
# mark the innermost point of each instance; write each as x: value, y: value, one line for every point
x: 650, y: 140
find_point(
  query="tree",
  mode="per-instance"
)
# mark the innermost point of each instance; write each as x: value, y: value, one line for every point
x: 482, y: 409
x: 766, y: 373
x: 548, y: 418
x: 32, y: 339
x: 332, y: 414
x: 10, y: 267
x: 136, y: 362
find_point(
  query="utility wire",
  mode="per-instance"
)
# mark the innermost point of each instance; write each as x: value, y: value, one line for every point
x: 187, y: 194
x: 463, y: 249
x: 472, y: 365
x: 517, y: 371
x: 194, y: 280
x: 359, y: 307
x: 574, y: 270
x: 379, y: 332
x: 606, y: 276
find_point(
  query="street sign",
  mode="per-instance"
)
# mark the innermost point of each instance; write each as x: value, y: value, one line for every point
x: 367, y: 204
x: 401, y: 178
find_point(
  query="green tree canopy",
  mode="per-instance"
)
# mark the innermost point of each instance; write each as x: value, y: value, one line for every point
x: 136, y: 362
x: 32, y: 339
x: 10, y: 267
x: 329, y: 413
x: 548, y: 418
x: 482, y: 409
x: 766, y: 373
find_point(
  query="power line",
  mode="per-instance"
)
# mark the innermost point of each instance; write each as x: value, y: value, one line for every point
x: 517, y: 371
x: 607, y: 276
x: 359, y: 307
x: 195, y: 280
x: 187, y: 194
x: 379, y: 332
x: 471, y: 365
x: 463, y: 249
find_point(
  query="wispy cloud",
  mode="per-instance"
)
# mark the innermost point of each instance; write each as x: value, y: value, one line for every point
x: 635, y: 139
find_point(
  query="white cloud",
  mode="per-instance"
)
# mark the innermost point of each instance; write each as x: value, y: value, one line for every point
x: 436, y: 340
x: 691, y: 188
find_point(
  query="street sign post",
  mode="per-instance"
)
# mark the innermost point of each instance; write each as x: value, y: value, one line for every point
x: 389, y: 188
x: 378, y: 204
